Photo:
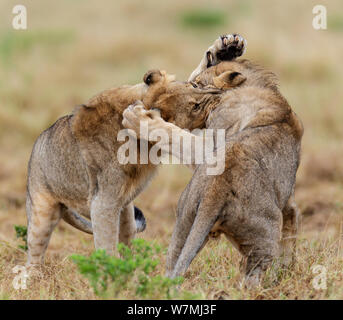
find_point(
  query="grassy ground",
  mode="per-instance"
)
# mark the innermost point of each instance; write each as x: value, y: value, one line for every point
x: 74, y: 49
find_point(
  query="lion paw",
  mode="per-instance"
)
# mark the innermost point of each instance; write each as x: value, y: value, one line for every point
x: 135, y: 115
x: 226, y: 48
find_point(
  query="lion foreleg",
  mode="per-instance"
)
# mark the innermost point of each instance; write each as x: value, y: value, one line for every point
x: 105, y: 216
x: 225, y: 48
x: 179, y: 143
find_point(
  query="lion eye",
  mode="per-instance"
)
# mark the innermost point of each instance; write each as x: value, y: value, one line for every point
x: 194, y: 85
x: 196, y: 107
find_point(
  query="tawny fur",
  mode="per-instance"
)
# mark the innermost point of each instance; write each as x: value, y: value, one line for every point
x: 254, y: 198
x: 74, y: 171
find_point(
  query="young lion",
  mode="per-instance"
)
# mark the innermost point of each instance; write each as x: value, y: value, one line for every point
x: 74, y: 170
x: 252, y: 202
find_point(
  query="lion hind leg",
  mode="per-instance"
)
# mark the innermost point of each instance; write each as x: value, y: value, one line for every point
x: 44, y: 215
x: 262, y: 255
x: 289, y: 232
x: 261, y: 250
x: 203, y: 223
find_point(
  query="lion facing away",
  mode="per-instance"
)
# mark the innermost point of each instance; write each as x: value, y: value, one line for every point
x: 252, y: 201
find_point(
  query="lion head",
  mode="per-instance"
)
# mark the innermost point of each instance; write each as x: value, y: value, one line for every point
x: 181, y: 103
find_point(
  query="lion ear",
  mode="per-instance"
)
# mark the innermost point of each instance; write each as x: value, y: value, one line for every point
x: 229, y: 79
x: 152, y: 76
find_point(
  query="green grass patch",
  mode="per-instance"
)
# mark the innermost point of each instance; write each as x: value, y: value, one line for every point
x: 14, y: 42
x: 335, y: 23
x: 131, y: 273
x: 21, y: 233
x: 203, y: 18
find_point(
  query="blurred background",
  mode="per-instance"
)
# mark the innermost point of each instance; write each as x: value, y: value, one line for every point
x: 71, y: 50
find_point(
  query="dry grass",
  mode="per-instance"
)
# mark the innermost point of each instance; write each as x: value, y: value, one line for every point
x: 73, y: 50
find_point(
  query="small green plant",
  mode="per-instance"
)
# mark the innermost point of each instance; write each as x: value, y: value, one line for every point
x: 131, y: 273
x: 14, y: 43
x: 21, y: 233
x: 203, y: 18
x: 335, y: 23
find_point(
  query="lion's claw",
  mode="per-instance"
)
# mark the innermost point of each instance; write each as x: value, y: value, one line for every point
x: 224, y: 48
x: 231, y: 47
